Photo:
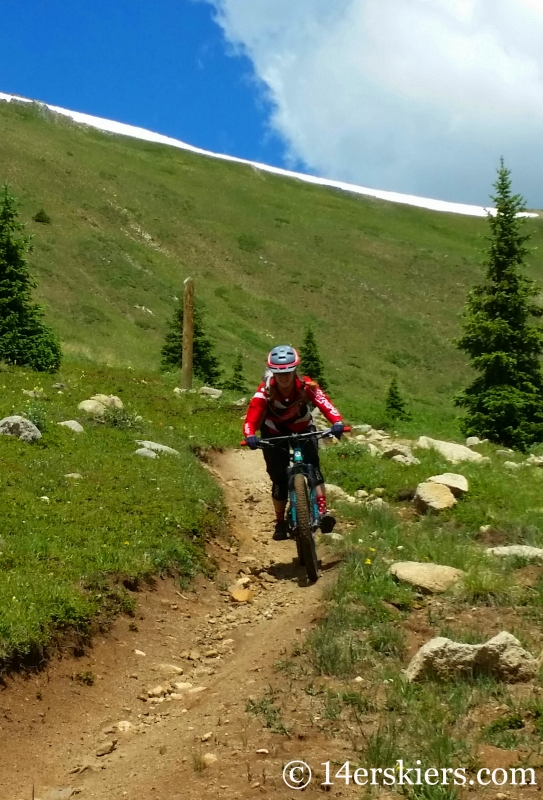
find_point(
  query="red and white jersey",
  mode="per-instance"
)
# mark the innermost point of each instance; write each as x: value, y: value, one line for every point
x: 280, y: 415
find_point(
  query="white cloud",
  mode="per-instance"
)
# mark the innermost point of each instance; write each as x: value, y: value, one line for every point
x: 419, y: 96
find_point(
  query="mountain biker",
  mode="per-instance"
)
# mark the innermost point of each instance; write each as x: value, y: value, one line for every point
x: 281, y: 406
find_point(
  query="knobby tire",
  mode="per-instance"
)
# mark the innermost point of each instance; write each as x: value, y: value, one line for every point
x: 305, y: 534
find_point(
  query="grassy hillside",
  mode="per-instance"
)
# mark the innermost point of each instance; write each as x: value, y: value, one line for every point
x: 384, y: 283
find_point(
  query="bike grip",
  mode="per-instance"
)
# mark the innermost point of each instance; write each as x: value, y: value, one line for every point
x: 347, y: 429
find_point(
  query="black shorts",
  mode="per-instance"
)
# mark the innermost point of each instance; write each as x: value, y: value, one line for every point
x: 277, y: 463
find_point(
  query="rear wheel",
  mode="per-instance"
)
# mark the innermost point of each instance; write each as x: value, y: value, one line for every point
x: 306, y: 542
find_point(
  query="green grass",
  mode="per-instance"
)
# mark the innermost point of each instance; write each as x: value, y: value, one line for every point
x: 68, y: 558
x: 365, y: 629
x: 383, y: 283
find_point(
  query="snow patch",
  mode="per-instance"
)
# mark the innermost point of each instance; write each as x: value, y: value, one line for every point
x: 122, y: 129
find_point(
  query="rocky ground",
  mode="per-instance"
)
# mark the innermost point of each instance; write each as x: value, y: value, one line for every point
x: 158, y: 707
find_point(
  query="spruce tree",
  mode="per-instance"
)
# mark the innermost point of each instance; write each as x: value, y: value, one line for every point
x: 204, y: 363
x: 395, y: 406
x: 237, y: 382
x: 310, y: 360
x: 505, y: 401
x: 24, y: 338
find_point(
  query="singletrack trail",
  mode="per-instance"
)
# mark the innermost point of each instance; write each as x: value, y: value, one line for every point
x: 52, y: 725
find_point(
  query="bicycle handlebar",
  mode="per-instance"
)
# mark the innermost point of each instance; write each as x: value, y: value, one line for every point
x: 316, y: 434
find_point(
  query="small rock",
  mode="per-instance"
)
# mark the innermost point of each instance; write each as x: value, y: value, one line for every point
x: 429, y: 578
x: 170, y: 669
x: 358, y: 679
x: 124, y: 725
x: 158, y: 691
x: 108, y: 400
x: 74, y: 476
x: 44, y: 498
x: 392, y: 450
x: 210, y: 391
x: 362, y: 428
x: 139, y: 652
x: 209, y: 759
x: 241, y: 595
x: 73, y: 425
x: 377, y: 503
x: 505, y: 451
x: 107, y: 748
x: 179, y: 391
x: 21, y: 428
x: 157, y: 448
x: 408, y: 461
x: 92, y: 407
x: 522, y: 550
x: 512, y: 465
x: 361, y: 494
x: 263, y: 752
x: 183, y: 686
x: 241, y: 402
x: 473, y: 441
x: 335, y: 491
x: 458, y: 484
x: 433, y: 497
x: 196, y: 689
x: 194, y: 655
x: 206, y: 737
x: 145, y: 453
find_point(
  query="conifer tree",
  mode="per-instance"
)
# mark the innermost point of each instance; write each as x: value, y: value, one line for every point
x: 25, y: 340
x: 505, y: 401
x: 205, y: 363
x: 395, y: 406
x: 310, y: 360
x: 237, y: 382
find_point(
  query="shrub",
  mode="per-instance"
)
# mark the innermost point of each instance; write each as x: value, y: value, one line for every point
x: 42, y: 216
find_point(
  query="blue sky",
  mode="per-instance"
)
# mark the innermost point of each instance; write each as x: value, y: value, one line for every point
x: 163, y: 65
x: 415, y: 96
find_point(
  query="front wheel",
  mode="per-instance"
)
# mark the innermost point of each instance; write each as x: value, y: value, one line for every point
x: 305, y: 538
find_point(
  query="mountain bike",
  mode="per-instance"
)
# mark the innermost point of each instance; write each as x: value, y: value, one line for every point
x: 303, y: 512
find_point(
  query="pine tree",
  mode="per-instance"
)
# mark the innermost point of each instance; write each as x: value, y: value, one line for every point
x: 395, y: 406
x: 204, y: 363
x: 24, y: 338
x: 311, y: 362
x: 237, y: 382
x: 505, y: 401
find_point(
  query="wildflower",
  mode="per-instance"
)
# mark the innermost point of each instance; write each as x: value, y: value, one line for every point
x: 367, y: 561
x: 372, y: 549
x: 127, y: 542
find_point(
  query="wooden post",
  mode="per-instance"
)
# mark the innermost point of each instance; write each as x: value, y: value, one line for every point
x: 188, y: 334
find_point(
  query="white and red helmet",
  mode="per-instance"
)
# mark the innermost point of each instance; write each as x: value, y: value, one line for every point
x: 283, y: 359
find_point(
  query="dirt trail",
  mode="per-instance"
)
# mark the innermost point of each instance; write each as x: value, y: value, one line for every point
x: 52, y: 725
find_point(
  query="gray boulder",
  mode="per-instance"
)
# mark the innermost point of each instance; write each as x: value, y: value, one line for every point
x: 157, y: 448
x: 21, y: 428
x: 458, y: 484
x: 522, y: 550
x: 92, y: 407
x: 429, y: 578
x: 502, y: 656
x: 433, y: 497
x: 145, y: 453
x: 450, y: 450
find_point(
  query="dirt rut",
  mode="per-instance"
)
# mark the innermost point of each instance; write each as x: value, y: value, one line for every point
x: 202, y: 743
